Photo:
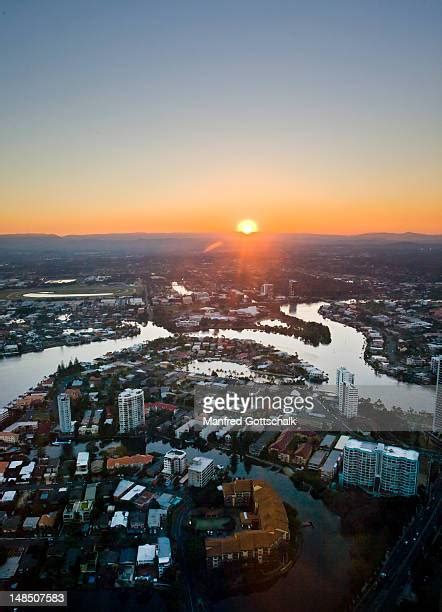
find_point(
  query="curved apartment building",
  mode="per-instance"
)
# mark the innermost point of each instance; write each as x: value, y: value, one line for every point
x: 264, y: 522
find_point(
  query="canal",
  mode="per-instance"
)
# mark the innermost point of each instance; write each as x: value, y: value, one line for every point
x: 18, y: 374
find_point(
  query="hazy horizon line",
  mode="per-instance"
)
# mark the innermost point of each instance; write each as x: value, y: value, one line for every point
x: 226, y: 232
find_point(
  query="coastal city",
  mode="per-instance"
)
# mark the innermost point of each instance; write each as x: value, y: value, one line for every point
x: 111, y: 480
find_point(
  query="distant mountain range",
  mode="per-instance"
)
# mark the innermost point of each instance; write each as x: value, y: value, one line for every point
x: 156, y: 243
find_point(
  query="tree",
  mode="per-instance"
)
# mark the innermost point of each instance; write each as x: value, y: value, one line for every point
x: 234, y: 463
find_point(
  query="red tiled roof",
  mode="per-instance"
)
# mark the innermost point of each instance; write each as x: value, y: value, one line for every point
x: 304, y: 450
x: 159, y: 406
x: 117, y: 462
x: 283, y: 442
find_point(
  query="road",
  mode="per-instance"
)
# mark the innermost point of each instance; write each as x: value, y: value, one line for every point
x: 339, y: 420
x: 384, y: 592
x: 180, y: 518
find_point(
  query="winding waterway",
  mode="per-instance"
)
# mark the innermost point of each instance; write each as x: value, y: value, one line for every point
x: 18, y: 374
x: 345, y: 349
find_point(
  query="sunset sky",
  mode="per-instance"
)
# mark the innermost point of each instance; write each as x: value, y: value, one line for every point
x: 304, y: 116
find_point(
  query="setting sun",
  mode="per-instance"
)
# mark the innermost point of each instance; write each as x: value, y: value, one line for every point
x: 247, y: 226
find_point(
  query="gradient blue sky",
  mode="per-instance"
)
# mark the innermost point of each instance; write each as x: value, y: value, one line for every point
x: 169, y: 116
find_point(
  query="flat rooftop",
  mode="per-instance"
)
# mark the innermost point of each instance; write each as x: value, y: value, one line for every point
x: 393, y: 451
x: 200, y: 463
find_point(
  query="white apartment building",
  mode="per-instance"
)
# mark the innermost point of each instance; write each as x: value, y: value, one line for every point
x: 267, y: 290
x: 344, y: 376
x: 437, y: 417
x: 381, y: 469
x: 131, y: 409
x: 293, y: 285
x: 174, y: 462
x: 64, y: 413
x: 347, y: 392
x: 350, y: 399
x: 200, y: 472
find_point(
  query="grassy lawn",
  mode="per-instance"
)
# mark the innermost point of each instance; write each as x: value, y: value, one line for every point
x: 216, y: 523
x: 40, y: 414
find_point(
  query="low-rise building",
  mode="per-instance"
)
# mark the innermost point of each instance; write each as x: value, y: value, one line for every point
x: 164, y: 554
x: 82, y: 466
x: 166, y: 501
x: 143, y: 501
x: 281, y: 447
x: 330, y: 467
x: 48, y: 522
x: 30, y: 523
x: 8, y: 498
x: 51, y: 467
x: 342, y: 441
x: 91, y: 492
x: 159, y: 407
x: 122, y: 487
x: 132, y: 461
x: 146, y: 554
x: 133, y: 493
x: 78, y: 512
x: 327, y: 441
x: 137, y: 522
x: 11, y: 524
x: 21, y: 427
x: 119, y: 519
x: 302, y: 454
x: 317, y: 459
x: 3, y: 467
x: 26, y: 471
x: 156, y: 520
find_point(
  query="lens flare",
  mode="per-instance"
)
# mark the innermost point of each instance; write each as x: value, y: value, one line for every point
x: 247, y: 226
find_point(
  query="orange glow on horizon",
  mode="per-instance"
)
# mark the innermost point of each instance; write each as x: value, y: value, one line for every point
x: 275, y: 216
x: 214, y: 200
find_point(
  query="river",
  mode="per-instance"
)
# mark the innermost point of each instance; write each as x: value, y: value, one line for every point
x: 346, y: 349
x: 18, y: 374
x: 319, y: 580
